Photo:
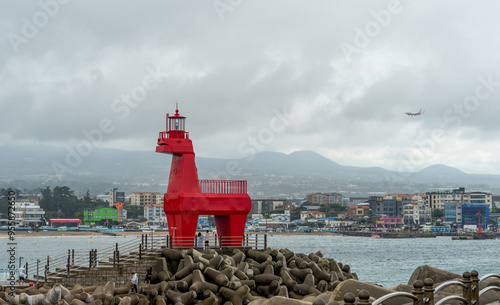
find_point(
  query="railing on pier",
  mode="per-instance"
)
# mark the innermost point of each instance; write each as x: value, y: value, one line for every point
x: 5, y: 275
x: 66, y: 263
x: 424, y: 292
x: 223, y: 186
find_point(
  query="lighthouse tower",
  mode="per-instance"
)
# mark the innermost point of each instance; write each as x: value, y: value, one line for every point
x: 188, y: 197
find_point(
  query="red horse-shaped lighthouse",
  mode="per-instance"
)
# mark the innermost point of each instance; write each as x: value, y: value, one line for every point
x: 188, y: 197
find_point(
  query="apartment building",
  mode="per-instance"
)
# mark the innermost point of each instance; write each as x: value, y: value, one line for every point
x: 415, y: 213
x: 28, y: 214
x: 453, y: 212
x: 387, y: 205
x: 115, y: 196
x: 438, y: 200
x: 154, y: 213
x: 261, y: 205
x: 145, y: 198
x: 479, y: 198
x: 324, y: 198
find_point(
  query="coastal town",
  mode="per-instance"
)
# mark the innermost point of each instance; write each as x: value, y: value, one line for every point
x: 455, y: 210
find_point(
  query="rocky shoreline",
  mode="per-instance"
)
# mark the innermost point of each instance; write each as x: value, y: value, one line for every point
x: 238, y: 276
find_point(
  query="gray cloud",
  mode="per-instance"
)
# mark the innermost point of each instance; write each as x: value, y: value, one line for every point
x: 230, y: 77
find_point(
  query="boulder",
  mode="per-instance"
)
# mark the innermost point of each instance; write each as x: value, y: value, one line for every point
x: 30, y: 299
x: 62, y: 302
x: 109, y: 288
x: 53, y: 295
x: 279, y: 301
x: 435, y: 274
x: 355, y: 286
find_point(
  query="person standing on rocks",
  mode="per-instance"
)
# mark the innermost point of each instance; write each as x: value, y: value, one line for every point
x: 207, y: 236
x: 134, y: 280
x: 200, y: 240
x: 149, y: 274
x: 22, y: 275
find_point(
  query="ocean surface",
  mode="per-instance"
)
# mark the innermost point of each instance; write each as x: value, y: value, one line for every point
x: 387, y: 262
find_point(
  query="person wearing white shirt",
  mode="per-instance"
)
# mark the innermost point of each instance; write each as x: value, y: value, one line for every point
x: 22, y: 275
x: 134, y: 280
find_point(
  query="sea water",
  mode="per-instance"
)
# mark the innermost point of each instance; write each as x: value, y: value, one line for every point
x: 387, y: 262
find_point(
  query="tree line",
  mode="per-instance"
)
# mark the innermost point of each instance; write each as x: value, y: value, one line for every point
x: 59, y: 202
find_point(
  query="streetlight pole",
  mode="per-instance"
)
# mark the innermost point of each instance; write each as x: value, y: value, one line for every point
x: 20, y: 261
x: 173, y: 234
x: 24, y: 216
x: 37, y: 265
x: 152, y: 243
x: 479, y: 228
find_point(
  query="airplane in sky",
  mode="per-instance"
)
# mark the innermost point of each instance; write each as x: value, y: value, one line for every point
x: 415, y: 113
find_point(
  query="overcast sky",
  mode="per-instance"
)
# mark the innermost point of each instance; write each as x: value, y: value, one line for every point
x: 335, y: 77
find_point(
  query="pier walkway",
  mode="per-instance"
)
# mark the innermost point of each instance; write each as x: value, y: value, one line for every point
x: 116, y: 262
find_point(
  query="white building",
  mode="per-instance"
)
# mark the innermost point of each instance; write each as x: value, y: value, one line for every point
x: 280, y: 217
x: 103, y: 197
x: 311, y: 215
x: 28, y: 214
x: 416, y: 213
x: 334, y: 222
x: 154, y: 214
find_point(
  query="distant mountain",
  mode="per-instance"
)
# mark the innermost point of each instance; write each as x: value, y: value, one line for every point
x: 268, y: 173
x: 439, y: 173
x: 296, y: 163
x: 440, y: 169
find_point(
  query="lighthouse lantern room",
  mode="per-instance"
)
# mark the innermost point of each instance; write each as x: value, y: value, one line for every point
x: 176, y: 125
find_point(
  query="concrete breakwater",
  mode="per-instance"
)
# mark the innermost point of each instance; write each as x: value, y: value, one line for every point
x: 415, y: 234
x: 391, y: 234
x: 241, y: 276
x: 249, y: 275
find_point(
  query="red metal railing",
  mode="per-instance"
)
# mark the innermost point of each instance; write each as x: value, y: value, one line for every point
x: 165, y: 134
x: 254, y: 241
x: 223, y: 186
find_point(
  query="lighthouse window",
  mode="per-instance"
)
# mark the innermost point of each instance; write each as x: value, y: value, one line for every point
x: 176, y: 124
